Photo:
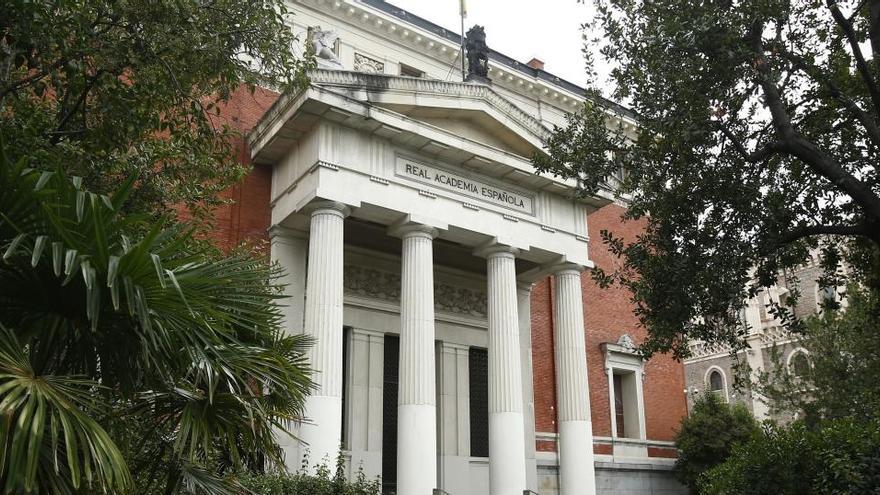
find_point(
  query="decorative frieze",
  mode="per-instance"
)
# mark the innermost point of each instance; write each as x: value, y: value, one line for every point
x: 363, y: 63
x: 371, y: 283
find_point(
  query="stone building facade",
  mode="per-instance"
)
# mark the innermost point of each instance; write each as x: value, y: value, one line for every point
x: 461, y: 344
x: 712, y: 368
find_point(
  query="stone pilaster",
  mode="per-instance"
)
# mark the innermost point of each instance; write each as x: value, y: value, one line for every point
x: 323, y: 321
x: 524, y: 305
x: 417, y: 414
x: 454, y: 420
x: 576, y: 461
x: 289, y: 248
x: 506, y: 442
x: 363, y: 408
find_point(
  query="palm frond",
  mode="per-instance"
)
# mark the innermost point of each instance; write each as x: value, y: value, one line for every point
x: 185, y: 343
x: 48, y: 414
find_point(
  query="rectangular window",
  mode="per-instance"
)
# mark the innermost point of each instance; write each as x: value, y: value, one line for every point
x: 626, y: 404
x: 619, y: 415
x: 406, y: 70
x: 478, y: 374
x: 390, y: 382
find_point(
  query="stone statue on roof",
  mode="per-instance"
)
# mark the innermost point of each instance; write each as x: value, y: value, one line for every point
x: 324, y: 43
x: 477, y: 54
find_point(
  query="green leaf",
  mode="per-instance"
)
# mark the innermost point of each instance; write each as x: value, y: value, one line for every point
x: 44, y: 178
x: 13, y: 246
x: 39, y: 244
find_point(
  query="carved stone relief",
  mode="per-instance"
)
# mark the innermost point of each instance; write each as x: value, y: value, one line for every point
x: 363, y: 63
x: 385, y: 286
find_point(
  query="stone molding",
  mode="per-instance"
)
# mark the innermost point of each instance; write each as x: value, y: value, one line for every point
x: 383, y: 285
x: 700, y: 350
x: 369, y: 65
x: 386, y: 82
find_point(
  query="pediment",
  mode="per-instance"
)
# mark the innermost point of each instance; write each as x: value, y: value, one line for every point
x: 458, y: 123
x: 473, y: 111
x: 476, y: 125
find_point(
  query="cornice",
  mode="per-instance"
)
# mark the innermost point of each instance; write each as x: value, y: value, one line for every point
x: 350, y: 79
x: 442, y: 44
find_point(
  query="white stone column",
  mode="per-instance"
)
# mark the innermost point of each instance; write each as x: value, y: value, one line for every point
x: 289, y: 248
x: 507, y: 471
x: 323, y: 320
x: 576, y: 461
x: 416, y: 410
x: 524, y: 303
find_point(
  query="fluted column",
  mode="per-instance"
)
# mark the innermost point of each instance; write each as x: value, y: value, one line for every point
x: 507, y: 471
x: 322, y: 433
x: 416, y: 410
x: 576, y: 467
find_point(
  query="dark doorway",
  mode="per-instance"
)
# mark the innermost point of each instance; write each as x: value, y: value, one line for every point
x: 390, y: 382
x: 478, y: 371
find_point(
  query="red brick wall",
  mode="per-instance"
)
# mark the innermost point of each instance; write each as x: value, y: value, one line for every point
x: 246, y: 218
x: 607, y: 315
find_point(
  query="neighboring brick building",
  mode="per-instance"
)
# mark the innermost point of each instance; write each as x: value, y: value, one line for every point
x: 712, y: 368
x: 371, y: 168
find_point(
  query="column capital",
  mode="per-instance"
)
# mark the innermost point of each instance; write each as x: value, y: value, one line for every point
x: 566, y: 269
x: 325, y: 207
x: 496, y: 249
x: 406, y: 229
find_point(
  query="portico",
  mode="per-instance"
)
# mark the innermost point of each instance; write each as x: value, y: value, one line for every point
x: 412, y: 210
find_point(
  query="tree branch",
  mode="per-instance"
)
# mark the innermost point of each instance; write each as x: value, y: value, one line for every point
x: 873, y: 25
x: 861, y: 230
x: 90, y: 81
x: 861, y: 64
x: 817, y: 75
x: 796, y: 145
x: 36, y: 76
x: 759, y: 154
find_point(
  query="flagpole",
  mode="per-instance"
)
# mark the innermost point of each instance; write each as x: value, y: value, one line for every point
x: 463, y: 11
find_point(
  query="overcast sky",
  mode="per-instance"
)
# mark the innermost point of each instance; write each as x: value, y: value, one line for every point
x: 548, y: 29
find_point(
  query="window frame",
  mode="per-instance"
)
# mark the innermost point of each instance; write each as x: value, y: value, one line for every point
x: 708, y: 383
x: 789, y: 367
x: 621, y: 359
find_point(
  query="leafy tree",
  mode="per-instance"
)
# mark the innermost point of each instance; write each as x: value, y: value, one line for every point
x: 757, y: 139
x: 106, y: 89
x: 132, y: 359
x: 844, y: 363
x: 840, y: 459
x: 707, y: 437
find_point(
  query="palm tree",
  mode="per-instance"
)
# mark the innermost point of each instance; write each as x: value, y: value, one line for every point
x: 133, y: 358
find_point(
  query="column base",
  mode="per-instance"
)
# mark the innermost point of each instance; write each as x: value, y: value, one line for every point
x: 416, y: 449
x: 323, y: 436
x: 507, y: 470
x: 577, y: 469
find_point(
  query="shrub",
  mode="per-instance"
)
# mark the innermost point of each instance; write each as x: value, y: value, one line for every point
x: 840, y: 458
x: 322, y: 483
x: 707, y: 437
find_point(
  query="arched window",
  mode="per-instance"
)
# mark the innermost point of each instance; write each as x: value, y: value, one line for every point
x: 798, y: 363
x: 716, y: 383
